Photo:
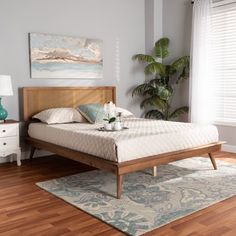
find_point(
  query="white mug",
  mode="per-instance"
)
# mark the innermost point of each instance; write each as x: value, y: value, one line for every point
x: 117, y: 126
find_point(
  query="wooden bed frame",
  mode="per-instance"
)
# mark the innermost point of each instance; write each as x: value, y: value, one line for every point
x: 36, y: 99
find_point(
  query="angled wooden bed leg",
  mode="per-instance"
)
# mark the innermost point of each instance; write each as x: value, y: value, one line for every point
x: 32, y: 150
x: 154, y: 171
x: 119, y: 186
x: 213, y: 161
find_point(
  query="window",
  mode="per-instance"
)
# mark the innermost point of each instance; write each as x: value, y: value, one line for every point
x: 224, y: 61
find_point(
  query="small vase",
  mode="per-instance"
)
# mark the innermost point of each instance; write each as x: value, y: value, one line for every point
x: 108, y: 126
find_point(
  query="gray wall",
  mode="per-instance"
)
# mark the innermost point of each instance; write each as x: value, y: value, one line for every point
x: 177, y: 20
x: 119, y: 23
x: 153, y: 23
x: 228, y: 134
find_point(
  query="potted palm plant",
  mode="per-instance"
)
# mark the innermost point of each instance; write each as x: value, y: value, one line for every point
x: 158, y: 90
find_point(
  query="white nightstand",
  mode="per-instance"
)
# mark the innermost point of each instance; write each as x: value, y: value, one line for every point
x: 9, y: 140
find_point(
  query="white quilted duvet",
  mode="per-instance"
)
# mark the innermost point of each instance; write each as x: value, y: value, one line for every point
x: 143, y: 138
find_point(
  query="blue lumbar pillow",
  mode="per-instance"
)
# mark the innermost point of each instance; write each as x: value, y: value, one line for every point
x: 94, y: 112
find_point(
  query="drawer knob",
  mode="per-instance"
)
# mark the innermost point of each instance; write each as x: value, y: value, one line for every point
x: 4, y: 131
x: 4, y: 144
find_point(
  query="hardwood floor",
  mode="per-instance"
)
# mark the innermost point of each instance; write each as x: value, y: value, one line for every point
x: 27, y: 210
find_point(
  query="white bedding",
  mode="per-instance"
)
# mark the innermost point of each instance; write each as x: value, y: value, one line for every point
x: 143, y: 138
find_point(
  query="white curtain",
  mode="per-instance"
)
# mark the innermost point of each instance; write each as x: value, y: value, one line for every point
x: 201, y: 108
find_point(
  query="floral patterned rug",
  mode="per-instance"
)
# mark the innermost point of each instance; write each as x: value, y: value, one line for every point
x: 148, y: 202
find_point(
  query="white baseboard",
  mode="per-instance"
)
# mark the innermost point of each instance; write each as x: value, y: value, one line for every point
x: 25, y: 155
x: 229, y: 148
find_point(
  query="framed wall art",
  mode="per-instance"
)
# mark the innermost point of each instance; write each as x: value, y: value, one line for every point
x: 56, y: 56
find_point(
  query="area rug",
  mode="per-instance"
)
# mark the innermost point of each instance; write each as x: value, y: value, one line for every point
x: 148, y: 202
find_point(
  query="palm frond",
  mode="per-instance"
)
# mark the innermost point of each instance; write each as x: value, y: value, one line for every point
x: 180, y: 63
x: 155, y: 114
x: 154, y: 101
x: 140, y: 89
x: 164, y: 93
x: 183, y: 76
x: 162, y: 48
x: 178, y: 112
x: 143, y: 58
x: 151, y: 91
x: 155, y: 82
x: 170, y: 70
x: 147, y: 102
x: 155, y: 68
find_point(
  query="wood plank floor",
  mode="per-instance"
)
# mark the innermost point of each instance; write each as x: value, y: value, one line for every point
x: 27, y: 210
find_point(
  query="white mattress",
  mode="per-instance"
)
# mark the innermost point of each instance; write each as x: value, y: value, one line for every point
x: 143, y: 138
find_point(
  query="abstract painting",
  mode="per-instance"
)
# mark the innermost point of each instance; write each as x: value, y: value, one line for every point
x: 55, y: 56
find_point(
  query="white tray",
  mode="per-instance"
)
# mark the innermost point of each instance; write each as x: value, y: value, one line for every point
x: 104, y: 130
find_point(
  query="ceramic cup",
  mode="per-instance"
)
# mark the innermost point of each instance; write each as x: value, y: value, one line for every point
x: 117, y: 126
x: 108, y: 126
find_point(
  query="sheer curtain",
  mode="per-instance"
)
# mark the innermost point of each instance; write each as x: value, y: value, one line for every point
x: 201, y: 104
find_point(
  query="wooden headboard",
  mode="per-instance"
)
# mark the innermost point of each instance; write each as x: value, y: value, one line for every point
x: 36, y: 99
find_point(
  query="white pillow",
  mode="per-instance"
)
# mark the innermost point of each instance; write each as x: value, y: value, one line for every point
x: 125, y: 113
x: 60, y: 116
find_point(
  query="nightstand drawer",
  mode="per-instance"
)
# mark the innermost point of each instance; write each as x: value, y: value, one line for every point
x: 10, y: 141
x: 6, y: 143
x: 8, y: 130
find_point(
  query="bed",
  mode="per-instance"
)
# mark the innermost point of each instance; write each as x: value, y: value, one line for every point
x: 122, y: 152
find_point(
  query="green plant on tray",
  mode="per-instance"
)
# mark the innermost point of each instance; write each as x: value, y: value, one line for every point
x: 110, y: 120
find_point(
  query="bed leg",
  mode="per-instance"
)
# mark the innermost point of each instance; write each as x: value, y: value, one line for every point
x: 32, y: 150
x: 213, y: 161
x: 154, y: 171
x: 119, y: 186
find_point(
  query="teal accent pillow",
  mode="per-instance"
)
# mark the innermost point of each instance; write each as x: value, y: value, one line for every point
x: 94, y: 112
